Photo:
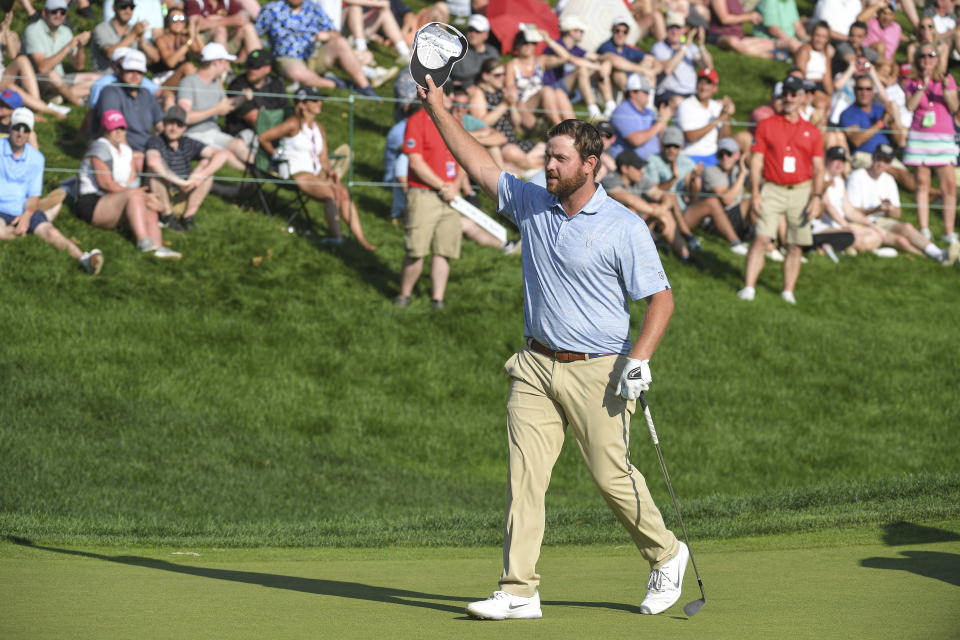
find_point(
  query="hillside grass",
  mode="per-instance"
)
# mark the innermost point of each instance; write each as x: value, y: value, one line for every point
x: 265, y: 391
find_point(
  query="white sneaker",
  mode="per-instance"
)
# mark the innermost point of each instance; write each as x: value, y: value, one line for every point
x: 609, y: 108
x: 502, y: 606
x: 740, y: 248
x: 59, y: 108
x: 788, y: 297
x: 774, y: 256
x: 747, y: 293
x: 663, y: 587
x: 381, y: 75
x: 92, y: 262
x: 926, y: 233
x: 165, y: 253
x: 593, y: 112
x: 885, y: 252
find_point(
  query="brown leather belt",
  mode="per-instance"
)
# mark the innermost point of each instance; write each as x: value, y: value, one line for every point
x: 559, y: 356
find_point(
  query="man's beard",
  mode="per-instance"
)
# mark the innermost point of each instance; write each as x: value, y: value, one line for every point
x: 566, y: 186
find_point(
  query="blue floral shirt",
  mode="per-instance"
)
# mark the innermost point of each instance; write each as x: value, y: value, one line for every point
x: 292, y: 34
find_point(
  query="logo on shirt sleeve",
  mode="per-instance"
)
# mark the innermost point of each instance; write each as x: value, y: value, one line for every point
x: 411, y: 143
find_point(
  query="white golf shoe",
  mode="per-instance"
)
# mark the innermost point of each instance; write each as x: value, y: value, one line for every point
x: 502, y: 606
x: 663, y: 588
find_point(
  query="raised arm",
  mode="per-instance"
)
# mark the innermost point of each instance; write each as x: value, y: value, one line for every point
x: 471, y: 155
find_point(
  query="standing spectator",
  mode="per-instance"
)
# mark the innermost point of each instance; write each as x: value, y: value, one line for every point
x: 703, y: 120
x: 141, y: 112
x: 203, y: 98
x: 883, y: 31
x: 681, y: 57
x: 788, y: 155
x: 21, y: 183
x: 223, y: 21
x: 48, y: 42
x: 432, y: 225
x: 727, y: 18
x: 110, y: 191
x: 119, y: 31
x: 465, y: 72
x: 721, y: 198
x: 626, y: 58
x: 268, y: 93
x: 781, y: 23
x: 638, y: 126
x: 305, y: 44
x: 178, y: 187
x: 932, y: 96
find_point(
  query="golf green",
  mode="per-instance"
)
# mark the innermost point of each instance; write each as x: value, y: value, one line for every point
x: 899, y: 582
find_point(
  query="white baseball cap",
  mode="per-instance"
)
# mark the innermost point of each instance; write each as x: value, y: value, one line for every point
x: 51, y: 5
x: 120, y: 53
x: 572, y: 23
x: 215, y: 51
x: 531, y: 33
x: 134, y: 61
x: 621, y: 19
x: 637, y: 82
x: 478, y: 22
x: 22, y: 116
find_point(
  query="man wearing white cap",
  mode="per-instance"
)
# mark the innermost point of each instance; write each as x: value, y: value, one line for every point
x: 119, y: 31
x: 625, y: 58
x: 465, y: 72
x: 202, y: 96
x: 138, y: 106
x: 21, y: 182
x: 116, y: 66
x: 48, y: 42
x: 638, y: 126
x: 681, y: 57
x: 584, y: 69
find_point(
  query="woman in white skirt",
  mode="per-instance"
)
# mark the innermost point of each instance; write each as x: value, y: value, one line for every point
x: 303, y: 149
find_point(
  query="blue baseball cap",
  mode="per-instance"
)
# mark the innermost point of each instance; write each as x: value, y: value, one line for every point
x: 11, y: 98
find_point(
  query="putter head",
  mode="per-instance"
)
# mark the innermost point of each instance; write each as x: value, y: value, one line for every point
x: 691, y: 608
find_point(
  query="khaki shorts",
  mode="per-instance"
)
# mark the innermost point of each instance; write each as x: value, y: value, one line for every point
x: 433, y: 226
x: 886, y: 224
x: 780, y: 200
x: 316, y: 63
x: 863, y: 160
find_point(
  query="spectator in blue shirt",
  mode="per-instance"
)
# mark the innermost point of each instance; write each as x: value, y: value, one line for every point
x: 583, y: 70
x: 865, y: 120
x: 305, y: 43
x: 677, y: 176
x: 638, y: 126
x: 21, y: 182
x: 627, y: 59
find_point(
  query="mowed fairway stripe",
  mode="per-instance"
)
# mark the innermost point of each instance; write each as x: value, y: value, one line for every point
x: 753, y: 591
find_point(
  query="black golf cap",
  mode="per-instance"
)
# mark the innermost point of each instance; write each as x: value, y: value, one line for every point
x: 307, y: 93
x: 629, y: 158
x: 605, y: 128
x: 436, y: 48
x: 884, y: 152
x: 175, y: 114
x: 793, y: 84
x: 258, y: 58
x: 837, y: 153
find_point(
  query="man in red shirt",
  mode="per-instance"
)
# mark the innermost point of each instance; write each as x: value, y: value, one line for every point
x: 788, y: 155
x: 432, y: 225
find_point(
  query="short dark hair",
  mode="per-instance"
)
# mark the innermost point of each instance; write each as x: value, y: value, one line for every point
x: 859, y: 24
x: 586, y: 138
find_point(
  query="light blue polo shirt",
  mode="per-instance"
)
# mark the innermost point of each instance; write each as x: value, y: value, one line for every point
x: 579, y: 271
x: 20, y: 178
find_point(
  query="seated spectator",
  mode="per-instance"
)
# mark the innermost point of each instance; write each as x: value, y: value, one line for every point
x: 926, y: 34
x: 305, y: 44
x: 109, y: 189
x: 498, y: 108
x: 672, y: 171
x: 781, y: 23
x: 18, y: 76
x: 119, y: 31
x: 608, y: 163
x: 839, y: 15
x: 874, y: 192
x: 582, y: 71
x: 148, y: 11
x: 944, y: 17
x: 203, y: 98
x: 179, y: 188
x: 21, y: 183
x: 630, y: 187
x: 483, y: 133
x: 268, y: 93
x: 638, y: 126
x: 703, y: 120
x: 411, y: 22
x: 883, y: 32
x: 814, y: 58
x: 525, y: 73
x: 141, y: 112
x: 650, y: 19
x: 176, y: 49
x: 866, y: 120
x: 365, y: 18
x: 465, y: 72
x: 48, y: 42
x: 114, y: 77
x: 727, y: 18
x: 301, y: 142
x: 854, y: 52
x: 625, y: 58
x: 721, y: 199
x: 838, y: 211
x: 682, y: 52
x: 224, y: 22
x: 10, y: 101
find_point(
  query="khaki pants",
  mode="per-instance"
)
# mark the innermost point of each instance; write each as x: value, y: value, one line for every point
x: 546, y: 397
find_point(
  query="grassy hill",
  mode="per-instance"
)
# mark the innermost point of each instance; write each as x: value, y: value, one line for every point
x: 265, y: 391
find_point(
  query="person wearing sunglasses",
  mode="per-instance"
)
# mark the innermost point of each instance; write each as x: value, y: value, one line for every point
x: 787, y: 155
x: 626, y: 58
x: 464, y: 73
x: 48, y: 43
x: 21, y: 182
x: 926, y: 33
x: 932, y: 96
x: 119, y: 31
x: 867, y: 120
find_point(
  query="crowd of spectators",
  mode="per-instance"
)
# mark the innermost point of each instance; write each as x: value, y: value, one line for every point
x: 872, y: 76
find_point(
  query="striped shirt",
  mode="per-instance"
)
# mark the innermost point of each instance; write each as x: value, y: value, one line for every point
x: 179, y: 160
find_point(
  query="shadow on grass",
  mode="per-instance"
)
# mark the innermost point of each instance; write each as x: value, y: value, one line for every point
x: 930, y: 564
x: 897, y: 533
x: 337, y: 588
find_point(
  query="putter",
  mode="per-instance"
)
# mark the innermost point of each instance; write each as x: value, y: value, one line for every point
x: 691, y: 608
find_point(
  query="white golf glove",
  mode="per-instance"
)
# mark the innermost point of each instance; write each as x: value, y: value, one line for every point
x: 635, y: 378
